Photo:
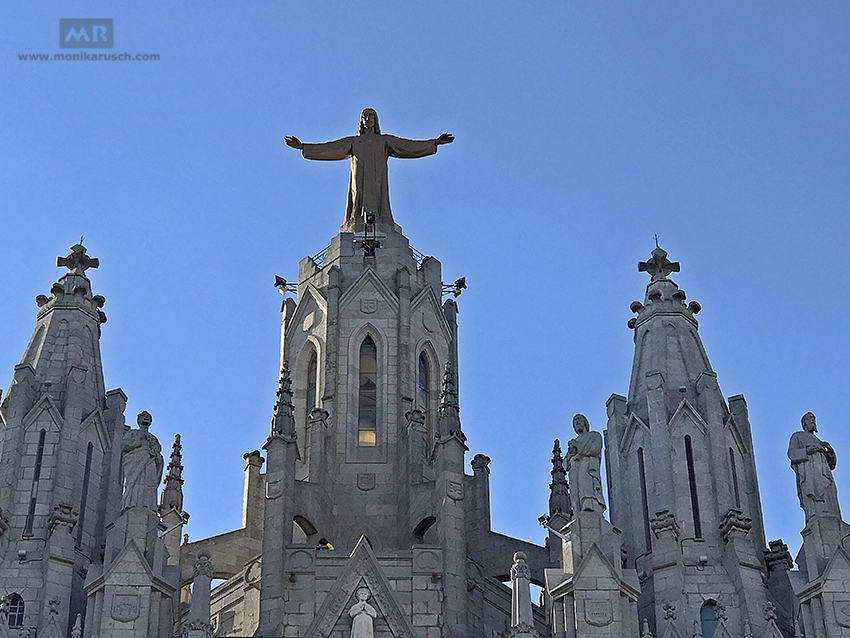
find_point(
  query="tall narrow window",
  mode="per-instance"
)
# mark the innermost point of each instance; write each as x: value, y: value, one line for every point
x: 735, y: 478
x: 81, y: 524
x: 312, y: 368
x: 692, y: 480
x: 367, y: 417
x: 423, y: 398
x: 708, y: 619
x: 644, y: 500
x: 15, y: 618
x: 39, y: 457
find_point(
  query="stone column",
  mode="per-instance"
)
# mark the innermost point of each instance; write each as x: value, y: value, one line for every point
x: 318, y: 430
x: 198, y: 624
x: 252, y: 499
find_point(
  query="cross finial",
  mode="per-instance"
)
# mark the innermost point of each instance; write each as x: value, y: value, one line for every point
x: 658, y: 266
x: 656, y: 240
x: 77, y: 262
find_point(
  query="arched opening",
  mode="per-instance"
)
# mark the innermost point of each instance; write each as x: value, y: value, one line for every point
x: 644, y: 501
x: 424, y: 525
x: 81, y: 523
x: 302, y: 530
x: 423, y: 398
x: 708, y: 619
x: 367, y: 414
x: 36, y: 477
x: 310, y: 403
x: 692, y: 481
x: 16, y: 611
x: 735, y: 478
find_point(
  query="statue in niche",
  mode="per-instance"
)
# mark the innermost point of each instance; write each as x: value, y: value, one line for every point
x: 584, y: 456
x: 368, y: 188
x: 813, y: 461
x: 141, y: 459
x: 362, y: 616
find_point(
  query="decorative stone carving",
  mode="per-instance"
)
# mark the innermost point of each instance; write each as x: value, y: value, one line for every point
x: 645, y: 633
x: 735, y: 523
x: 522, y: 621
x: 842, y: 611
x: 362, y: 616
x: 77, y: 630
x: 141, y: 458
x: 769, y: 611
x: 368, y: 306
x: 669, y: 610
x: 813, y: 461
x: 584, y: 456
x: 4, y: 522
x: 778, y: 556
x: 203, y: 565
x: 125, y: 607
x: 366, y: 481
x: 598, y: 613
x: 454, y: 490
x: 368, y: 187
x: 664, y: 522
x: 64, y: 516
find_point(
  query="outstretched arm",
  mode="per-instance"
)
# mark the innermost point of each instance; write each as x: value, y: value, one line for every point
x: 293, y: 141
x: 445, y: 138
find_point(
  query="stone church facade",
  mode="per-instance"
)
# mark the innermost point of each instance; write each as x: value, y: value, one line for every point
x: 360, y: 517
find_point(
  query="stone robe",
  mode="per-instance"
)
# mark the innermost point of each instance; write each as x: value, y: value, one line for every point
x: 583, y: 460
x: 368, y: 187
x: 362, y: 624
x: 815, y: 485
x: 141, y: 459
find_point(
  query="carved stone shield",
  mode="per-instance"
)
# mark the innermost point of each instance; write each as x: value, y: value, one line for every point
x: 368, y: 306
x: 454, y: 490
x: 125, y: 607
x: 598, y: 612
x: 842, y: 611
x: 365, y: 481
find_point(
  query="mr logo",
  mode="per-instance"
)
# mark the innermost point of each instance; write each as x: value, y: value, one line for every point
x: 85, y: 33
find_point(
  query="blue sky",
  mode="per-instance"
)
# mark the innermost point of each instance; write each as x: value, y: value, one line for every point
x: 582, y: 130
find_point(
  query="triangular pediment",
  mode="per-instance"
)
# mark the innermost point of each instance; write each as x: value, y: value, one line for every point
x: 361, y: 569
x: 670, y: 631
x: 365, y: 283
x: 310, y: 301
x: 840, y: 561
x: 128, y: 568
x: 94, y: 421
x: 425, y: 308
x: 632, y: 426
x: 687, y: 412
x: 44, y: 406
x: 594, y: 565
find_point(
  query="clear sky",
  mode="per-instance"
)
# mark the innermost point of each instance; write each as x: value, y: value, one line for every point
x: 583, y: 129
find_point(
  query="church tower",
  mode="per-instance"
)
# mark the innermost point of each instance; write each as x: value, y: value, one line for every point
x: 682, y: 479
x: 58, y: 433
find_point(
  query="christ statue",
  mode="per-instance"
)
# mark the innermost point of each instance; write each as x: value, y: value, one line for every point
x: 368, y: 190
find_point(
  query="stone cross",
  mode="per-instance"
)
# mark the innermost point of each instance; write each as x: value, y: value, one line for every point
x: 78, y: 262
x: 658, y: 265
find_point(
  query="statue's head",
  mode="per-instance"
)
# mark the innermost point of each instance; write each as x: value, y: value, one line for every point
x: 369, y: 122
x: 362, y: 594
x: 808, y: 421
x: 144, y: 420
x: 580, y: 424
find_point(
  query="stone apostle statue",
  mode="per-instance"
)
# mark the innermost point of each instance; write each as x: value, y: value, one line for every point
x: 363, y: 616
x: 813, y: 461
x: 584, y: 456
x: 368, y: 190
x: 141, y: 459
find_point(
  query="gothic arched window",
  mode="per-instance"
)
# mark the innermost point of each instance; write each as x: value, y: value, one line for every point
x: 16, y: 611
x: 692, y: 481
x: 367, y: 415
x: 310, y: 403
x: 708, y: 619
x: 423, y: 397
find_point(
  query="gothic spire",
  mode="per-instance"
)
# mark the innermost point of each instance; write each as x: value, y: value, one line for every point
x: 559, y: 490
x: 666, y: 336
x: 283, y: 422
x: 449, y: 421
x: 172, y: 493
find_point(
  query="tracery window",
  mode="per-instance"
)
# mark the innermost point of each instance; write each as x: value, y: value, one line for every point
x: 367, y: 416
x: 81, y: 524
x: 16, y: 611
x: 39, y: 458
